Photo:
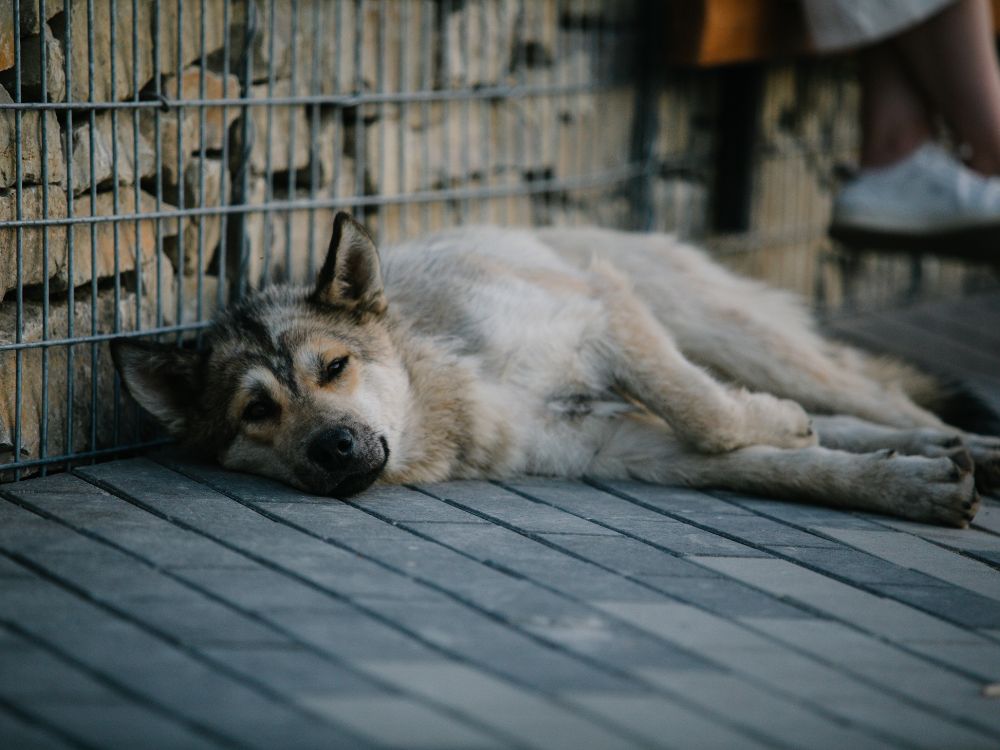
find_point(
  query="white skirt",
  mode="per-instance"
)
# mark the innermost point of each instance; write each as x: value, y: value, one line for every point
x: 844, y: 24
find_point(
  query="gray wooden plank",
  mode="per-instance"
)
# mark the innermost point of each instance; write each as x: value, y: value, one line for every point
x: 788, y: 724
x: 837, y: 694
x: 575, y: 626
x: 448, y: 626
x: 290, y: 664
x: 30, y: 734
x: 718, y: 644
x: 880, y: 661
x: 124, y: 654
x: 757, y: 529
x: 887, y: 618
x: 910, y: 551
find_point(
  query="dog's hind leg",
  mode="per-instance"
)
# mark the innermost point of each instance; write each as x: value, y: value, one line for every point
x: 647, y: 366
x: 860, y: 436
x: 918, y: 488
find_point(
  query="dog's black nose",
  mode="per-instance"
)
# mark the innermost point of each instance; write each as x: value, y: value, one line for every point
x: 332, y: 448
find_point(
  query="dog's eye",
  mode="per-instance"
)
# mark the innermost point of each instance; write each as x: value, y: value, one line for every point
x: 259, y: 410
x: 334, y: 369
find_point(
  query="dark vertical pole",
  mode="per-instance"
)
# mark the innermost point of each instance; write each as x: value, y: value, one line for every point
x: 241, y: 176
x: 736, y: 131
x: 650, y: 63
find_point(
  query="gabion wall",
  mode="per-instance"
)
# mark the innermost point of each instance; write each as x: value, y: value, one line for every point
x: 159, y: 159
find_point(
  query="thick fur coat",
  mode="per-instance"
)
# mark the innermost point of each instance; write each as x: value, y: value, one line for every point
x: 487, y: 353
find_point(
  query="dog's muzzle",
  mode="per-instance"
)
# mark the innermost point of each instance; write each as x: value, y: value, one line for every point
x: 350, y: 463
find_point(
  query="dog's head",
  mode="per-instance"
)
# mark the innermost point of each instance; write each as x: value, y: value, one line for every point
x: 298, y: 384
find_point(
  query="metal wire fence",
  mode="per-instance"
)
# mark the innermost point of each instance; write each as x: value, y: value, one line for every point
x: 162, y: 158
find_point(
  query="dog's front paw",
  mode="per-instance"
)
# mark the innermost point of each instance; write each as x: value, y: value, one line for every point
x: 776, y: 421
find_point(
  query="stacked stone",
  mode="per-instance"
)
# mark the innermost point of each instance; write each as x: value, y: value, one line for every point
x: 405, y: 162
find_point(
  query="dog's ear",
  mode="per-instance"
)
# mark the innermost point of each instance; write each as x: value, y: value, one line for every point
x: 351, y: 277
x: 164, y: 379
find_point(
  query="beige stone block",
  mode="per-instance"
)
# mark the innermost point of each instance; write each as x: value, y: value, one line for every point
x: 538, y: 35
x: 394, y: 223
x: 94, y: 243
x: 455, y: 142
x: 128, y: 77
x: 280, y: 130
x: 31, y: 69
x: 107, y: 138
x: 589, y: 133
x: 685, y: 111
x: 199, y: 301
x: 217, y: 119
x: 593, y: 208
x: 480, y: 38
x: 34, y: 408
x: 399, y: 47
x: 324, y: 32
x: 203, y: 231
x: 33, y: 239
x: 192, y: 27
x: 32, y: 162
x: 679, y: 205
x: 30, y: 25
x: 267, y: 234
x: 336, y: 166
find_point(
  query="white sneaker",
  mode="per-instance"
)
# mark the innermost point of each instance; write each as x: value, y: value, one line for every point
x: 927, y: 199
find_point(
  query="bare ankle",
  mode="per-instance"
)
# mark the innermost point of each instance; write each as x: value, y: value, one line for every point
x: 885, y: 152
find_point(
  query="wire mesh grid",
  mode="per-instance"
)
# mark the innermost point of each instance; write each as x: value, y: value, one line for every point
x: 806, y: 143
x: 161, y: 158
x: 164, y: 158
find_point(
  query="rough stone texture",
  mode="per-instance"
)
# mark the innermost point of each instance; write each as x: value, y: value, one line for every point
x: 266, y: 233
x: 334, y: 33
x: 479, y: 39
x: 32, y: 238
x: 443, y: 146
x: 32, y: 123
x: 332, y: 155
x: 681, y: 206
x: 33, y: 406
x: 104, y: 235
x: 30, y: 25
x: 216, y: 128
x: 200, y: 231
x: 128, y: 78
x: 594, y: 132
x: 30, y: 12
x: 289, y: 130
x: 105, y: 141
x: 403, y: 56
x: 191, y: 30
x: 394, y: 223
x: 31, y: 68
x: 190, y: 309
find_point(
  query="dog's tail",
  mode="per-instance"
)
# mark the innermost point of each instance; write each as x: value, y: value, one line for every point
x: 953, y: 401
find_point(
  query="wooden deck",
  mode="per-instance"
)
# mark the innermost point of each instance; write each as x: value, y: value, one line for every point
x: 145, y: 603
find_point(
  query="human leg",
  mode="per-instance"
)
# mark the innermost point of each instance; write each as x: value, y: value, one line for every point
x: 953, y: 60
x: 894, y: 118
